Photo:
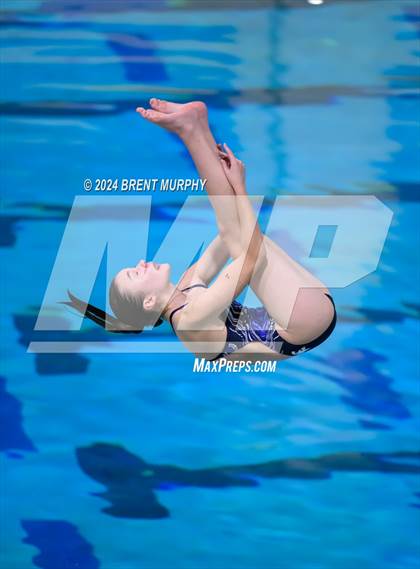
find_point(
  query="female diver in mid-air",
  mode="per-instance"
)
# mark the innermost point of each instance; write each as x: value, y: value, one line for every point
x: 297, y: 313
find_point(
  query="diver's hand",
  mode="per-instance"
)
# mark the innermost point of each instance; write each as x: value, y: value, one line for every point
x: 234, y: 169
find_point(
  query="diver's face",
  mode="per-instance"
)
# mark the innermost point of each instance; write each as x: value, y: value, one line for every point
x: 145, y: 278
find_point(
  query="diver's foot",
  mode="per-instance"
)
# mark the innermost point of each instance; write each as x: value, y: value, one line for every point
x: 183, y: 120
x: 165, y: 106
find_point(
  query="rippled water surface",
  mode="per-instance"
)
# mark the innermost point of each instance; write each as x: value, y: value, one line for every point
x: 131, y: 461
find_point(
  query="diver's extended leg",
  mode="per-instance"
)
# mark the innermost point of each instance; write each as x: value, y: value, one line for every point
x: 190, y: 122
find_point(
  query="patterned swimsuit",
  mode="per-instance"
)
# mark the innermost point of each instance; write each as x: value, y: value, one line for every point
x: 246, y: 324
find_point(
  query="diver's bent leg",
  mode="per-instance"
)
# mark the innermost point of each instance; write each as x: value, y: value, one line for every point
x: 292, y: 296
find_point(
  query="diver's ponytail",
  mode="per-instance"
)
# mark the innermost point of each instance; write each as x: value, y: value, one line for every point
x: 102, y: 318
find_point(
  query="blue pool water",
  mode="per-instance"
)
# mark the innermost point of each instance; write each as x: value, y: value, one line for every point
x: 132, y: 461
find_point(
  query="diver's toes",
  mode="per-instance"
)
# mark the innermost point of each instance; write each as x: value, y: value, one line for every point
x: 152, y: 115
x: 159, y: 105
x: 142, y: 111
x: 155, y: 116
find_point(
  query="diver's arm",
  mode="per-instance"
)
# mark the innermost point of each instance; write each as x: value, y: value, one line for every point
x: 235, y: 173
x: 226, y: 213
x: 222, y: 200
x: 212, y: 260
x: 229, y: 284
x: 209, y: 264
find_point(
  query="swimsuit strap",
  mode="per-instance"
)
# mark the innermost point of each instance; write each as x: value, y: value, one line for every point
x: 182, y: 305
x: 173, y: 312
